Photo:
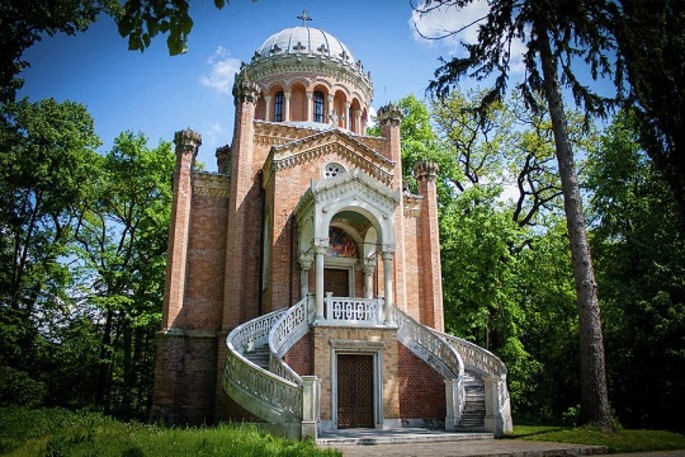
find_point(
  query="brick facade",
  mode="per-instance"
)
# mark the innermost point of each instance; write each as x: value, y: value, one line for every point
x: 236, y: 243
x: 421, y: 388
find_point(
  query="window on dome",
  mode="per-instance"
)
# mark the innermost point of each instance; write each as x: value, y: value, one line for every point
x: 318, y: 106
x: 278, y: 107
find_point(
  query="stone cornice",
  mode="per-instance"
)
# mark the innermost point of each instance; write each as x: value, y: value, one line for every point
x: 211, y: 184
x: 348, y: 73
x: 352, y: 182
x: 337, y: 141
x: 412, y: 205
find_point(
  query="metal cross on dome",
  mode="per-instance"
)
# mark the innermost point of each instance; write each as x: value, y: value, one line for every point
x: 304, y: 17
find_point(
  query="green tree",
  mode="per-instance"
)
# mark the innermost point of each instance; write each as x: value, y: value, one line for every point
x: 419, y: 142
x: 122, y: 242
x: 46, y: 173
x: 555, y: 35
x: 640, y: 251
x: 651, y: 45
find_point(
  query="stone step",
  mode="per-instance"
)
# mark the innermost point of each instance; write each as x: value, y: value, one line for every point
x: 395, y: 436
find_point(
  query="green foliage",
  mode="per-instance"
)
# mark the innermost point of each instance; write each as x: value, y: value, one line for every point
x: 651, y: 47
x: 51, y: 432
x: 46, y: 173
x: 17, y: 388
x: 640, y: 251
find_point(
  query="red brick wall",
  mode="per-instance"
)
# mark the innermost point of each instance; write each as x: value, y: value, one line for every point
x: 422, y: 389
x: 203, y: 300
x: 184, y: 390
x: 301, y: 356
x: 412, y: 265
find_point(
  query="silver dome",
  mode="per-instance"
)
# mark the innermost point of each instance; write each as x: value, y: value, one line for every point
x: 305, y: 40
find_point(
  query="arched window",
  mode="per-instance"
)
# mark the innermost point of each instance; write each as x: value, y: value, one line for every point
x: 318, y: 106
x: 278, y: 107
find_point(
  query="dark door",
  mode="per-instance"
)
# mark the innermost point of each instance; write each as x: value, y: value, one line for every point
x: 337, y: 282
x: 355, y: 391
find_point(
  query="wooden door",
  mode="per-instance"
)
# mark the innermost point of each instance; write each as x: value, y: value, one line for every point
x: 355, y: 391
x: 337, y: 282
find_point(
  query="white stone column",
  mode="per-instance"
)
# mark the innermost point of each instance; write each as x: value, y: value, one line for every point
x: 388, y: 285
x: 358, y: 119
x: 320, y: 252
x: 310, y: 106
x: 330, y: 108
x: 268, y: 115
x: 347, y: 116
x: 310, y: 406
x: 305, y: 265
x: 454, y: 407
x: 368, y: 268
x: 286, y: 106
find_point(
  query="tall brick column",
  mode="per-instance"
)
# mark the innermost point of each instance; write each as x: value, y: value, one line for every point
x: 242, y: 152
x: 430, y: 308
x: 390, y: 118
x: 237, y: 284
x: 187, y: 143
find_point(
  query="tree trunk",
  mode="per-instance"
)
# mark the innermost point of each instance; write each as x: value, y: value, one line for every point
x: 594, y: 397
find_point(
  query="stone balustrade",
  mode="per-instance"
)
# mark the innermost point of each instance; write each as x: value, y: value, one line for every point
x: 288, y: 329
x: 269, y: 396
x: 494, y: 372
x: 353, y: 311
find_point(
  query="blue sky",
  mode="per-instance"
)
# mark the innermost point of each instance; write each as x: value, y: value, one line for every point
x: 156, y: 94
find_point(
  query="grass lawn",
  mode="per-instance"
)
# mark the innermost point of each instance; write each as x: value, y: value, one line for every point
x: 58, y: 432
x: 622, y: 441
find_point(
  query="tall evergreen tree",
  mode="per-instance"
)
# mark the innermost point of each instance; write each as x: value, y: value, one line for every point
x: 556, y: 35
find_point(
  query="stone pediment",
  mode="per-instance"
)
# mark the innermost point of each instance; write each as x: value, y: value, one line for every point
x: 334, y: 141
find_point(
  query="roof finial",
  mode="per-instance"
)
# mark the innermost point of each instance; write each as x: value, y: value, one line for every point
x: 304, y: 17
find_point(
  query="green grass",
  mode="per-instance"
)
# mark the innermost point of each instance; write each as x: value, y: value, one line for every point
x: 58, y: 432
x: 622, y: 441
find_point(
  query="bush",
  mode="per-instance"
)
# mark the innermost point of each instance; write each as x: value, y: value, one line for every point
x: 17, y: 388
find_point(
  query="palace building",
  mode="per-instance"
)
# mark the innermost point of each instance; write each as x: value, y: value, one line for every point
x: 303, y: 285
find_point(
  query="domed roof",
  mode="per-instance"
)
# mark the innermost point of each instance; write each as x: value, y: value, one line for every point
x: 305, y: 40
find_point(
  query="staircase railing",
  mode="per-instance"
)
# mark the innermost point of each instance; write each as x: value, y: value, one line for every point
x: 484, y: 361
x: 288, y: 329
x: 430, y: 347
x: 270, y: 397
x: 494, y: 373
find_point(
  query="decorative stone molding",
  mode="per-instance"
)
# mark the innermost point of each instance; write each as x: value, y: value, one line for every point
x: 223, y: 159
x: 390, y: 114
x: 333, y: 141
x: 347, y: 73
x: 412, y: 205
x: 210, y: 184
x: 426, y: 169
x: 245, y: 90
x: 187, y: 140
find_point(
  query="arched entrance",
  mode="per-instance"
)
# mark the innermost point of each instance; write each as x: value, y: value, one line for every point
x: 346, y: 225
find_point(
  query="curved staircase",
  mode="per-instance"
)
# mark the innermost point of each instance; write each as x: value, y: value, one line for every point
x: 257, y: 377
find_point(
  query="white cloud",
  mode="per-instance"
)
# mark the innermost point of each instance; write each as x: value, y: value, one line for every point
x: 222, y: 72
x: 214, y: 134
x: 446, y: 19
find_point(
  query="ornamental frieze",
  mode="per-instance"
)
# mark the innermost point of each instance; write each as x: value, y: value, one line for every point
x: 211, y: 184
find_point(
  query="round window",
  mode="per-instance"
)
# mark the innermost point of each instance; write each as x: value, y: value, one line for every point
x: 332, y: 170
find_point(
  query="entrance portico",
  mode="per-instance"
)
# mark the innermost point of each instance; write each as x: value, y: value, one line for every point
x: 347, y: 223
